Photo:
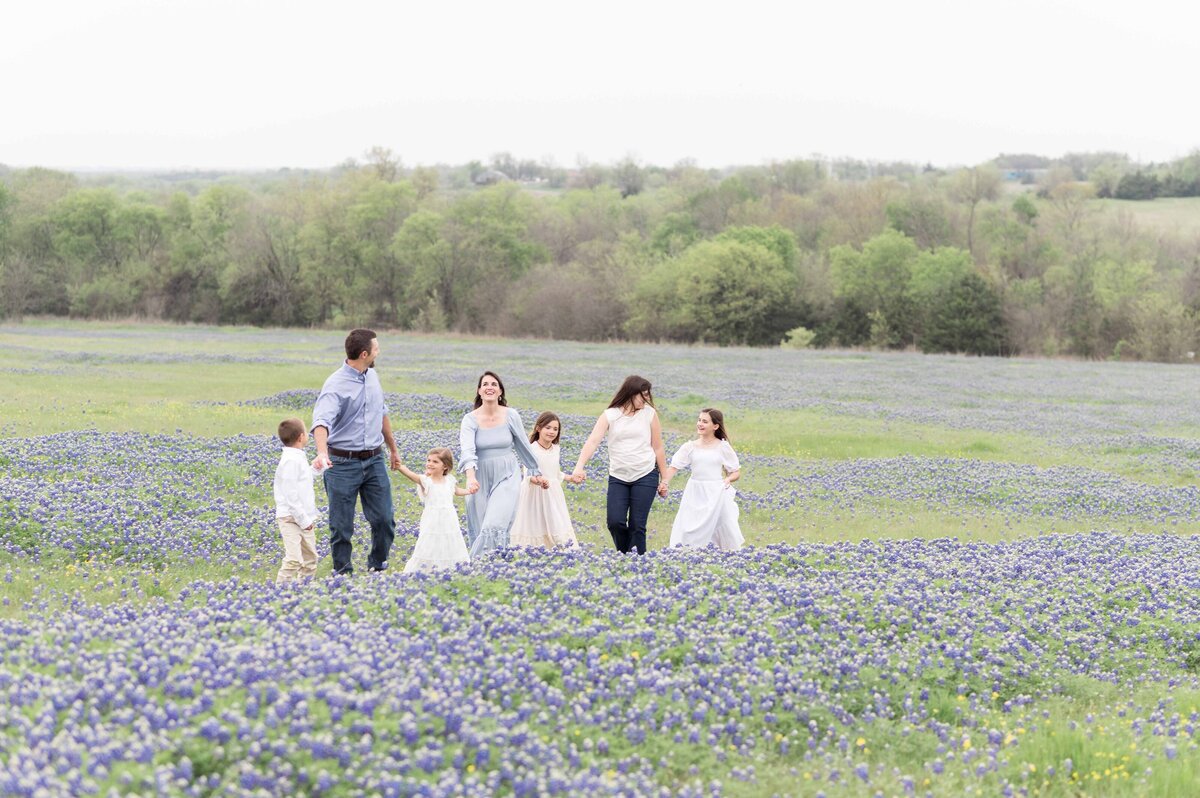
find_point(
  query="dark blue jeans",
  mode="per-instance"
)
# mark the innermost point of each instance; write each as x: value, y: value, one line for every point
x: 345, y: 482
x: 628, y: 508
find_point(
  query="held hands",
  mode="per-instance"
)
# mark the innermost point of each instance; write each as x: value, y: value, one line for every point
x: 575, y: 479
x: 321, y: 462
x: 472, y: 485
x: 541, y: 482
x: 577, y: 476
x: 662, y: 489
x: 395, y: 459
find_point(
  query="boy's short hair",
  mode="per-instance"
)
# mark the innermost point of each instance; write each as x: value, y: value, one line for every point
x: 446, y: 456
x: 290, y: 430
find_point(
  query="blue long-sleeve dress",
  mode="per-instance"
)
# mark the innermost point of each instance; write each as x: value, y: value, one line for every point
x: 496, y: 454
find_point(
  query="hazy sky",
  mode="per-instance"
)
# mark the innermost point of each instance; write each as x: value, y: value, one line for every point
x: 249, y: 83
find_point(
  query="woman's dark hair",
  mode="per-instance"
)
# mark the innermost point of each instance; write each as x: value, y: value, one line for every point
x: 357, y: 342
x: 542, y: 420
x: 718, y: 418
x: 632, y: 386
x: 479, y: 399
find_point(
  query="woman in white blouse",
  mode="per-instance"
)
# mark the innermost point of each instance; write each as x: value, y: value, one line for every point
x: 636, y: 459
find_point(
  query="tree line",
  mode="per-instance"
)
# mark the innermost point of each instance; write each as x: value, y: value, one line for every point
x: 798, y: 252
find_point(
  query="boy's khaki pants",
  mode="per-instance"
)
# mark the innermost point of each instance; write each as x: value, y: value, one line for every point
x: 299, y: 551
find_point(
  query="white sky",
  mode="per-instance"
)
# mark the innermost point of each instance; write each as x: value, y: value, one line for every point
x: 272, y: 83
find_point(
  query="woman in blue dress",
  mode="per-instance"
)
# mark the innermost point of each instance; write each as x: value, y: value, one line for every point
x: 492, y: 447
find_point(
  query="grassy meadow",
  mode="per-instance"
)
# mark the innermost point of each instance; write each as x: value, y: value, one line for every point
x: 1179, y: 215
x: 965, y: 576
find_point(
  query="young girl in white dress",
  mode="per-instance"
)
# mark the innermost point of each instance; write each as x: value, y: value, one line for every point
x: 707, y: 512
x: 440, y: 543
x: 542, y: 519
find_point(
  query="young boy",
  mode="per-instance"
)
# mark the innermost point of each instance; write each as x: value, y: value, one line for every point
x: 295, y: 504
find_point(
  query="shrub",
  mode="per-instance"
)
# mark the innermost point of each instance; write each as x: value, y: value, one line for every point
x: 798, y: 338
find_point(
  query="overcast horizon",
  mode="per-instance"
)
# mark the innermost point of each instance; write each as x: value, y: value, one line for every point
x: 135, y: 85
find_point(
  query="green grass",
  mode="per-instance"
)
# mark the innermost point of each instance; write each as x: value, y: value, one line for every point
x: 202, y: 400
x: 70, y: 393
x: 1168, y: 214
x: 166, y: 398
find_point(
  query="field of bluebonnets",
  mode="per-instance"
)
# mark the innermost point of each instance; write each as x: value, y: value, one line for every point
x: 965, y: 577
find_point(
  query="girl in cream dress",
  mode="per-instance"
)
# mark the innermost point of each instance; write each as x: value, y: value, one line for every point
x: 707, y: 513
x: 542, y: 519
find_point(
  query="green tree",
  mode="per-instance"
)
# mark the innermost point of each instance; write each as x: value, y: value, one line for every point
x: 1078, y: 311
x: 87, y: 233
x: 774, y: 239
x: 583, y: 300
x: 435, y: 291
x: 200, y: 251
x: 1025, y: 209
x: 877, y: 280
x: 579, y: 217
x: 7, y: 200
x: 971, y: 187
x: 1016, y: 250
x: 1164, y: 330
x: 465, y: 262
x: 111, y: 248
x: 934, y: 272
x: 675, y: 233
x: 37, y: 278
x: 1106, y: 177
x: 329, y: 255
x: 1137, y: 186
x: 13, y: 298
x: 383, y: 163
x: 711, y: 207
x: 922, y: 216
x: 847, y: 324
x: 723, y: 291
x: 797, y: 176
x: 629, y: 177
x: 966, y: 317
x: 425, y: 180
x: 263, y: 284
x: 375, y: 210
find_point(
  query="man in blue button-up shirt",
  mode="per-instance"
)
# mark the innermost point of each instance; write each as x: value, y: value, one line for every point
x: 351, y: 427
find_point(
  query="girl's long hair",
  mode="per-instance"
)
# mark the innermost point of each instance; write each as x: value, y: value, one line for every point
x: 479, y: 399
x: 718, y: 418
x: 632, y: 386
x: 542, y: 420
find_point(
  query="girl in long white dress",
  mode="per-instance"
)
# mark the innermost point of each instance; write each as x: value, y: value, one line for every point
x: 707, y: 513
x: 440, y: 543
x: 542, y: 519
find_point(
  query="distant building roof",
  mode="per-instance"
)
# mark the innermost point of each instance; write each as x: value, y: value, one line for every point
x: 489, y: 177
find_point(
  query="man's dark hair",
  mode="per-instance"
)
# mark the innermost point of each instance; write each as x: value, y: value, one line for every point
x: 290, y: 430
x: 357, y: 342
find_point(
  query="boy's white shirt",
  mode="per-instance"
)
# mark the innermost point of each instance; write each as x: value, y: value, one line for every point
x: 294, y: 494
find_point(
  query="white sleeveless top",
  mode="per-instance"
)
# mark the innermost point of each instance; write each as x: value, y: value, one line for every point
x: 630, y: 456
